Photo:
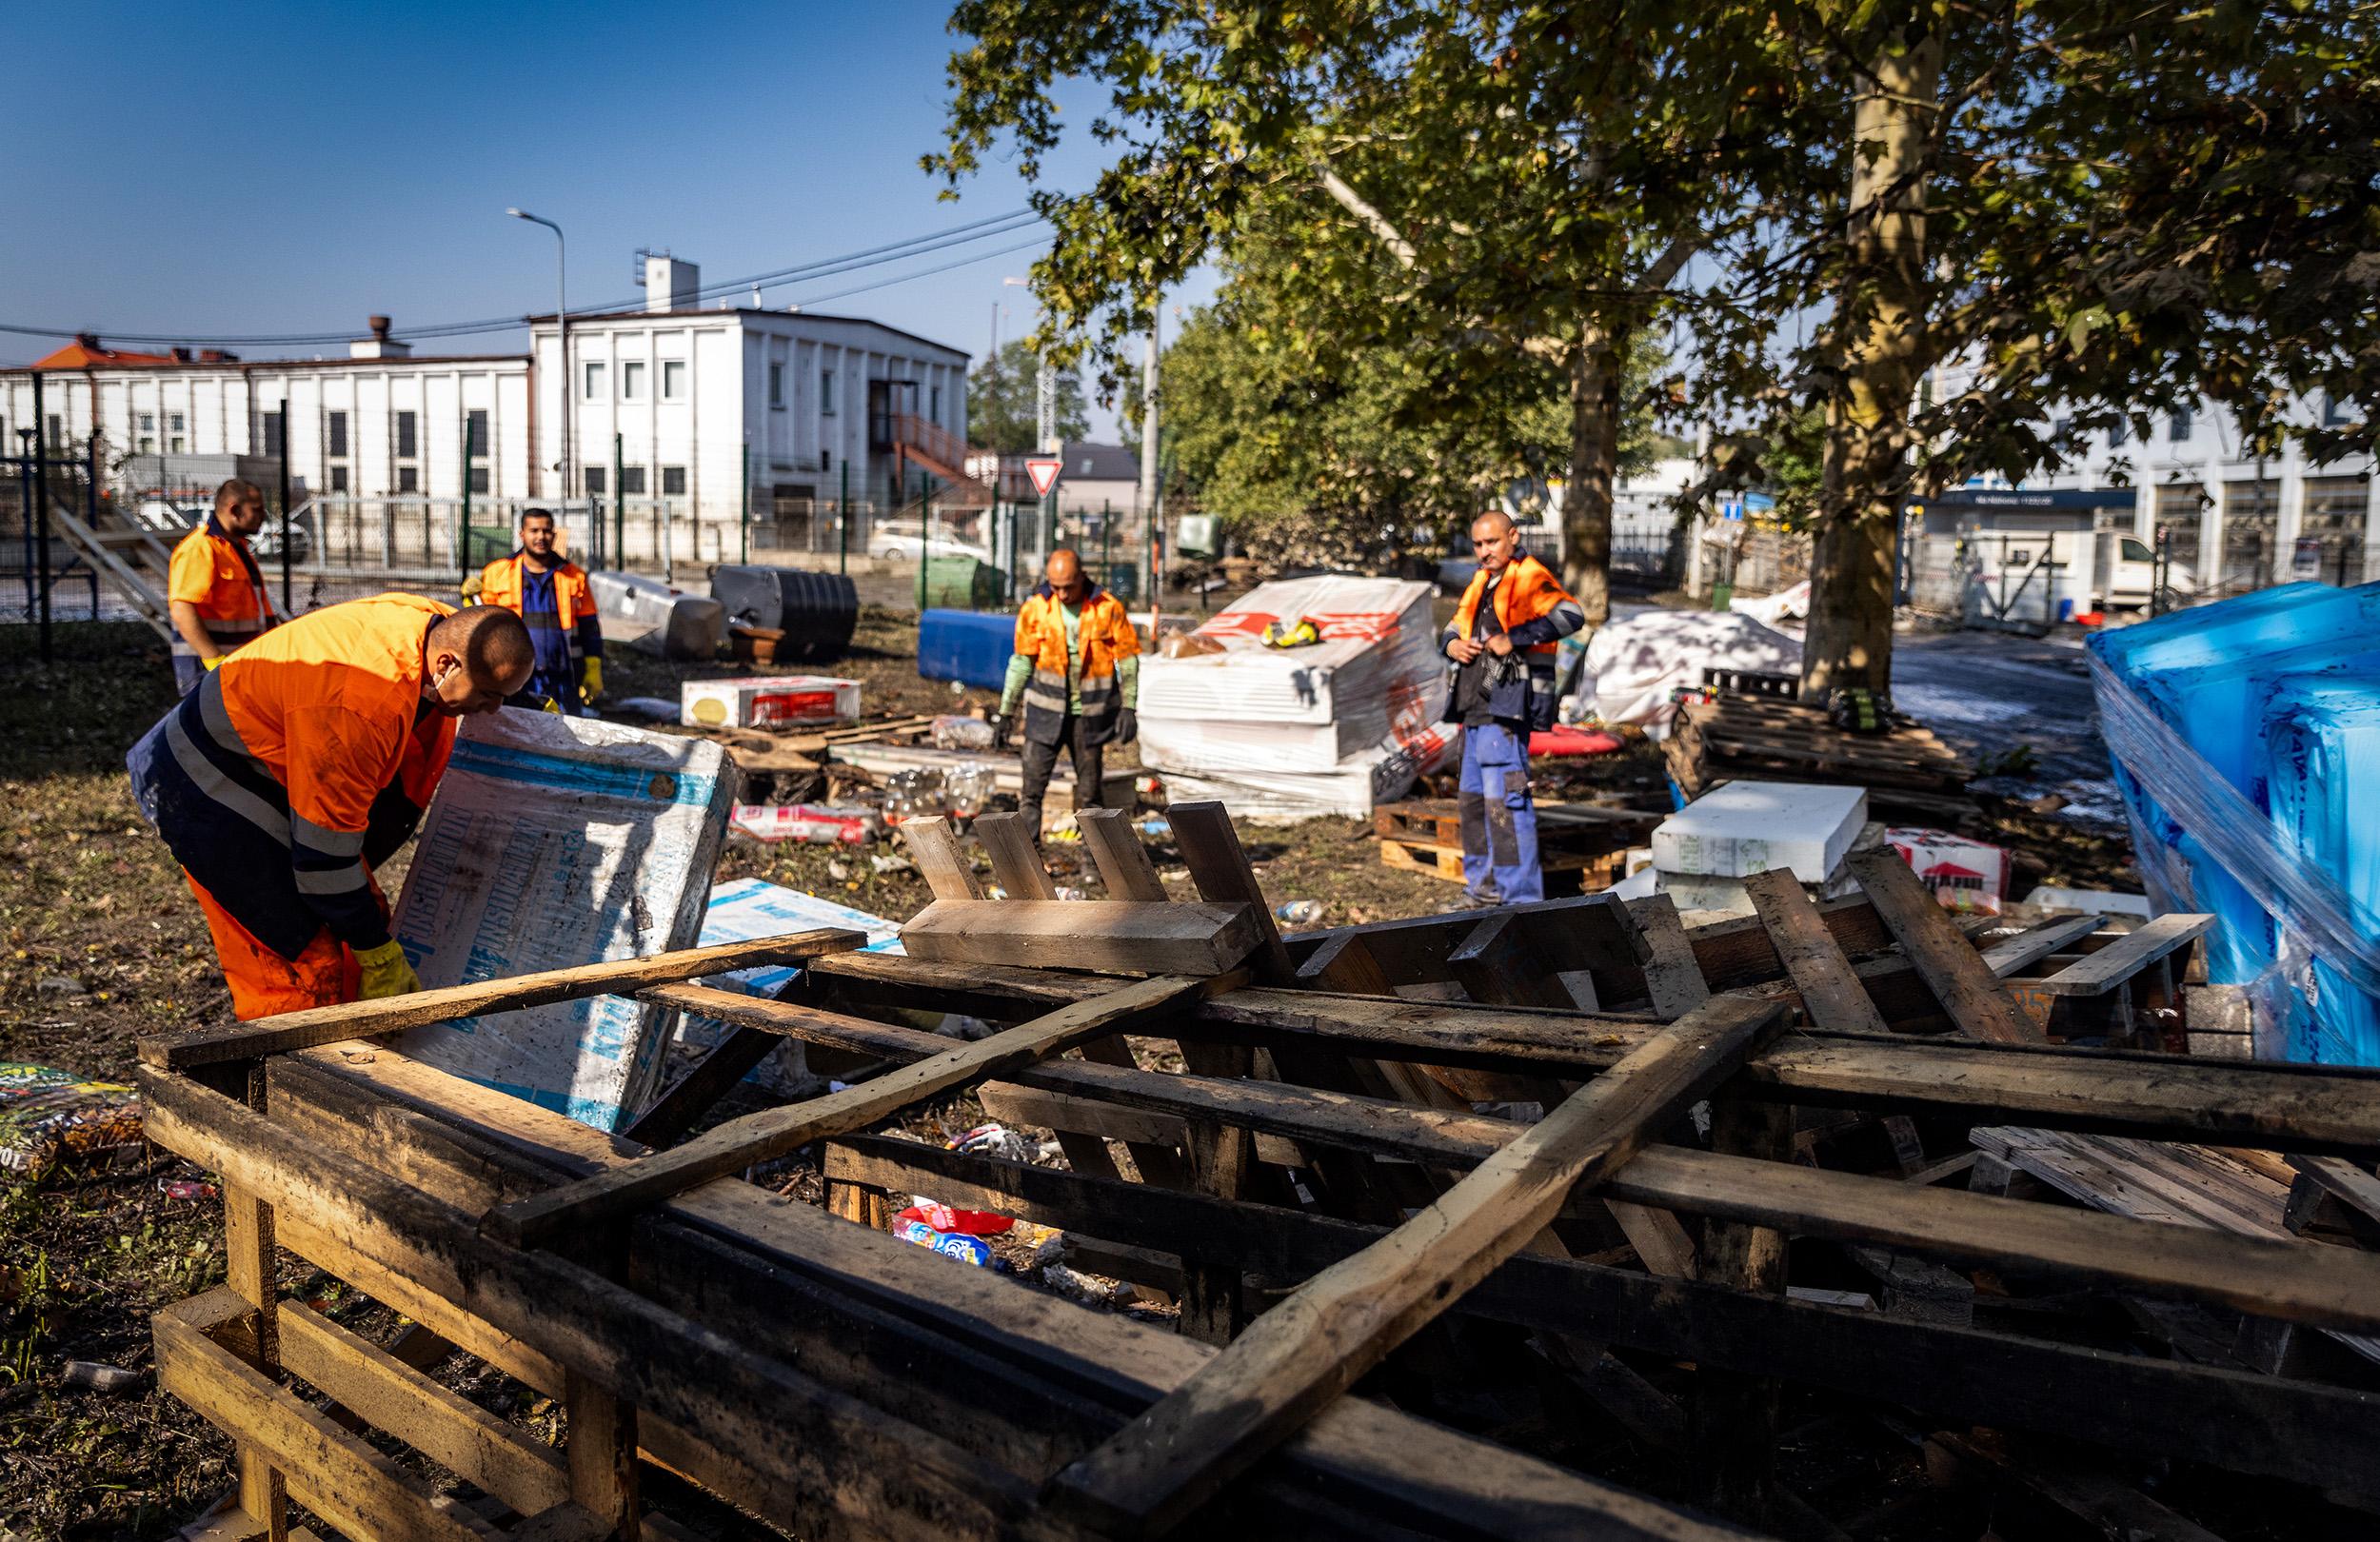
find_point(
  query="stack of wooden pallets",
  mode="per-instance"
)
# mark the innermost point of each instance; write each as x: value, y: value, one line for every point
x: 1910, y: 776
x: 1540, y: 1157
x: 1580, y: 847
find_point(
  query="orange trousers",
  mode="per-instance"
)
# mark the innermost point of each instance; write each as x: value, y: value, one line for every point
x: 263, y: 982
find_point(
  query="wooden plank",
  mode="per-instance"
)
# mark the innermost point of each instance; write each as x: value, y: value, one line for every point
x: 365, y: 1019
x: 1671, y: 978
x: 599, y: 1455
x: 450, y: 1429
x: 1210, y: 848
x: 2351, y: 1185
x: 1016, y: 856
x: 2030, y: 946
x: 935, y: 849
x: 1309, y: 1348
x: 1969, y: 993
x: 2100, y: 973
x: 756, y: 1137
x: 1831, y: 993
x: 1123, y: 862
x: 1732, y: 1416
x: 1126, y: 935
x: 252, y: 1271
x: 330, y: 1472
x: 699, y: 1090
x: 2305, y: 1431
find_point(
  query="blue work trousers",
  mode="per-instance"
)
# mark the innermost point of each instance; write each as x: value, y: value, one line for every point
x: 1499, y: 820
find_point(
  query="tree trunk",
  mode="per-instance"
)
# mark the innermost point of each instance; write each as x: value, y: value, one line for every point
x: 1881, y: 312
x: 1595, y: 373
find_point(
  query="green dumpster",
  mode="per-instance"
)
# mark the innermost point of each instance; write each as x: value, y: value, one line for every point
x: 961, y: 583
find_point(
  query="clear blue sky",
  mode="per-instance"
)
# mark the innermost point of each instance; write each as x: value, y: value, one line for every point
x: 254, y: 167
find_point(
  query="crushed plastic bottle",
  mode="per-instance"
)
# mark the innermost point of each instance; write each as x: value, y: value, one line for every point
x: 1300, y: 912
x: 1067, y: 891
x: 958, y: 731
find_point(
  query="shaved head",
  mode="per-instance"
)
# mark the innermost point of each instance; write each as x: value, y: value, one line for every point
x: 1495, y: 540
x: 1064, y: 572
x: 476, y: 658
x: 1495, y: 521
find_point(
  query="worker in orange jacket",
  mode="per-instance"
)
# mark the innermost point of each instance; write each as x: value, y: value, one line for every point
x: 301, y: 764
x: 1502, y: 645
x: 551, y: 595
x: 213, y: 589
x: 1077, y: 668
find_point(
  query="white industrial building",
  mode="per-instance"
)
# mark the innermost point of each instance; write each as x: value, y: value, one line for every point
x: 698, y: 420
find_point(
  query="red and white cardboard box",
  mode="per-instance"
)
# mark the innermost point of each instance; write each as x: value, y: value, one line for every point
x: 1964, y: 875
x: 768, y: 701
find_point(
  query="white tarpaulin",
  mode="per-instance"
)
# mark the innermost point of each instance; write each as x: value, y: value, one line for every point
x: 555, y: 841
x: 1633, y: 663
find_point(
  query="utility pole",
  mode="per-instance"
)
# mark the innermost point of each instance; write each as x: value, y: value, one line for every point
x: 462, y: 528
x: 562, y: 322
x: 1149, y: 480
x: 1045, y: 409
x: 282, y: 453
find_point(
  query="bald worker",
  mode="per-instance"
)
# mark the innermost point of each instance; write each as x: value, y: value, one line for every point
x: 1501, y: 643
x: 302, y: 763
x: 214, y: 590
x: 1078, y: 669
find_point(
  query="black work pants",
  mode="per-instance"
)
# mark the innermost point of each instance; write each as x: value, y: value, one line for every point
x: 1042, y: 759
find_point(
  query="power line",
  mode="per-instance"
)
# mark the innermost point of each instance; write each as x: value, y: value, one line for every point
x: 870, y: 257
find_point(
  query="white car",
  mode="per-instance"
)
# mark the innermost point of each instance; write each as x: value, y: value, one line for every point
x: 170, y: 521
x: 890, y: 547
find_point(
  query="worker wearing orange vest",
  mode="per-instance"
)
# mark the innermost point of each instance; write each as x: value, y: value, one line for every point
x: 1501, y: 643
x: 1078, y: 670
x: 213, y: 589
x: 300, y: 765
x: 552, y: 598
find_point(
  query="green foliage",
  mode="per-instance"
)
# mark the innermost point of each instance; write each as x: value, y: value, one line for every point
x: 1003, y: 396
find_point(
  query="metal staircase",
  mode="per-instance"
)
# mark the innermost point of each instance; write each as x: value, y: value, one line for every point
x: 130, y: 560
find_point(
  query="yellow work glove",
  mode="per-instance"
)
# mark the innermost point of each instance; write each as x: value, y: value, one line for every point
x: 471, y: 586
x: 591, y: 682
x: 215, y: 663
x: 386, y: 971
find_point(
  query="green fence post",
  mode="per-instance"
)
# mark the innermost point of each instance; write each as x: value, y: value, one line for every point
x: 744, y: 536
x: 619, y: 506
x: 842, y: 523
x: 925, y: 531
x: 462, y: 532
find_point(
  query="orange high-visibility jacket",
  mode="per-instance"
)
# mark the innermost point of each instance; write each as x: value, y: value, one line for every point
x: 303, y: 759
x: 501, y: 583
x: 1106, y: 635
x: 213, y: 570
x: 1532, y: 605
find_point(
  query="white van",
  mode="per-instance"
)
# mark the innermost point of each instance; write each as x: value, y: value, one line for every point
x: 2089, y: 570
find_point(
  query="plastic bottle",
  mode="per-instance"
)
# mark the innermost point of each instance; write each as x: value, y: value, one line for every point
x: 1300, y: 912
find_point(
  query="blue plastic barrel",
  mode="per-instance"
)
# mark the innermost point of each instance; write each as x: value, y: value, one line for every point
x: 969, y: 647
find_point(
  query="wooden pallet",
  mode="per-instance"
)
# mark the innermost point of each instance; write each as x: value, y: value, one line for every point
x: 1580, y: 847
x: 832, y: 1380
x: 1908, y: 772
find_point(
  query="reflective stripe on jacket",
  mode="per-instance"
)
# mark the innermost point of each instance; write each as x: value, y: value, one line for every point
x: 501, y: 583
x: 303, y: 759
x: 1532, y: 605
x: 1107, y: 635
x: 214, y: 572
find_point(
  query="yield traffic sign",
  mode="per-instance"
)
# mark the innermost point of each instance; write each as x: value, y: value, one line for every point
x: 1045, y: 475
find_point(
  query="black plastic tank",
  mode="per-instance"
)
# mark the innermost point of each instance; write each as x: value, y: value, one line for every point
x: 816, y: 611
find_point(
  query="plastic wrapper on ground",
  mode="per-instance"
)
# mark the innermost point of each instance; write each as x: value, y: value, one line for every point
x: 1633, y: 664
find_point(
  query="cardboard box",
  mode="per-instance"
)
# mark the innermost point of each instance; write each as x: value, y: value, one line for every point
x: 1964, y: 875
x: 769, y: 701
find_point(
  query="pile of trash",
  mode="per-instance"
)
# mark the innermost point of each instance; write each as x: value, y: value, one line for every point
x: 1634, y: 665
x: 1305, y: 697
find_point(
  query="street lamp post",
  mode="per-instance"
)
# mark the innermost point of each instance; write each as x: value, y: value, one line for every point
x: 562, y: 322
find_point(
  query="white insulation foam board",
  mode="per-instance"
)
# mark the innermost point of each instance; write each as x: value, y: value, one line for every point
x: 1748, y: 827
x: 554, y: 842
x: 743, y: 909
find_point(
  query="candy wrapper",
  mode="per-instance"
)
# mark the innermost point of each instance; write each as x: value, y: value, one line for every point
x: 47, y: 1114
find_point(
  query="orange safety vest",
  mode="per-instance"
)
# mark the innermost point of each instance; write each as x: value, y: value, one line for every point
x: 213, y: 570
x: 501, y: 583
x: 300, y: 764
x: 1528, y: 591
x: 1106, y: 635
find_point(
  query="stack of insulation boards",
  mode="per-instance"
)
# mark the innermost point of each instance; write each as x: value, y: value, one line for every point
x: 555, y: 841
x: 1331, y: 727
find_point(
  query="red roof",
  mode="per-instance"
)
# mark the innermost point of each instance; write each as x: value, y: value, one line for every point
x: 87, y: 352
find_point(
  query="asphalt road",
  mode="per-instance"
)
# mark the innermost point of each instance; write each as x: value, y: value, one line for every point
x: 1986, y: 693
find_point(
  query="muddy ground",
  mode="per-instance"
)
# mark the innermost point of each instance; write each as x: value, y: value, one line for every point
x: 100, y: 944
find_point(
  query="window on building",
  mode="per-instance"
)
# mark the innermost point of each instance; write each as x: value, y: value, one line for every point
x: 409, y: 443
x: 594, y: 381
x: 145, y: 442
x: 177, y: 428
x: 934, y: 403
x: 408, y: 480
x: 475, y: 432
x: 338, y: 479
x: 335, y: 432
x: 631, y: 480
x: 2335, y: 413
x: 2115, y: 435
x: 272, y: 433
x: 595, y: 480
x: 673, y: 481
x: 673, y: 379
x: 57, y: 432
x: 148, y: 422
x: 2177, y: 427
x: 479, y: 478
x: 826, y: 393
x: 2058, y: 427
x: 632, y: 382
x: 776, y: 386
